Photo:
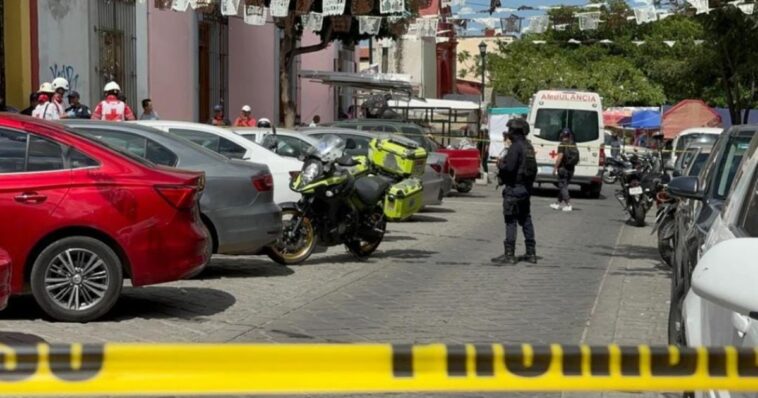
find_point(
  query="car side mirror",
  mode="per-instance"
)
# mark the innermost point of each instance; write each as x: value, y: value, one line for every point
x: 727, y: 274
x: 350, y: 144
x: 685, y: 187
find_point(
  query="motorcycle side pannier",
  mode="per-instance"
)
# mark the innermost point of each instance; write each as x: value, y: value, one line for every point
x: 404, y: 199
x: 397, y: 157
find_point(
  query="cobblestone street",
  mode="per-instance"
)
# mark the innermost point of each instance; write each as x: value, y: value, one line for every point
x: 598, y: 281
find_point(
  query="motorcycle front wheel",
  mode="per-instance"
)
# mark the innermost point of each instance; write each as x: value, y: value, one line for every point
x: 298, y: 239
x: 365, y: 246
x: 638, y: 213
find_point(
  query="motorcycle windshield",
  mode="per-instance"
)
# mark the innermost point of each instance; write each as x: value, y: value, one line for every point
x: 329, y: 148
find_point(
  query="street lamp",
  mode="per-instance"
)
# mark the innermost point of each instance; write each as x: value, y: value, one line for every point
x: 483, y: 54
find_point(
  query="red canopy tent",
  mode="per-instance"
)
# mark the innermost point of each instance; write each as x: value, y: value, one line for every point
x: 688, y: 114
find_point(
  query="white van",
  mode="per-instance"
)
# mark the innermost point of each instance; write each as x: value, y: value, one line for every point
x: 704, y: 135
x: 551, y: 111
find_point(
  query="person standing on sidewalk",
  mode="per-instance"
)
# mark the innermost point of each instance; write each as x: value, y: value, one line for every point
x: 517, y: 171
x: 148, y: 112
x: 245, y: 120
x: 76, y: 109
x: 112, y: 108
x: 565, y: 163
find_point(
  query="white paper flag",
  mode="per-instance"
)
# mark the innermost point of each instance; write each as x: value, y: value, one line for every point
x: 230, y: 7
x: 427, y: 27
x: 369, y: 25
x: 638, y: 42
x: 255, y: 15
x: 180, y: 5
x: 490, y: 23
x: 333, y: 7
x: 669, y: 43
x: 700, y: 5
x: 699, y: 42
x: 645, y: 14
x: 588, y: 20
x: 747, y: 8
x: 280, y: 8
x: 391, y: 6
x: 538, y: 24
x: 313, y: 21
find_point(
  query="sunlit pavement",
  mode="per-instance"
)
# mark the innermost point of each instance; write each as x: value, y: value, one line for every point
x: 598, y: 281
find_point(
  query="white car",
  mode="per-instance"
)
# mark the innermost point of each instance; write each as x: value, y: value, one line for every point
x: 721, y: 309
x: 705, y: 135
x: 232, y: 145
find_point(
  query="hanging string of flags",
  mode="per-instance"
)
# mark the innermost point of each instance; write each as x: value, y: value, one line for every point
x: 587, y: 20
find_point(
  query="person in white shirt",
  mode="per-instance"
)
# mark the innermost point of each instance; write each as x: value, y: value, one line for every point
x: 46, y: 109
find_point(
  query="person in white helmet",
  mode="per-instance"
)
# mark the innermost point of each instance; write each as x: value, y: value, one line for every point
x: 112, y: 108
x: 245, y: 120
x: 60, y: 85
x: 46, y: 109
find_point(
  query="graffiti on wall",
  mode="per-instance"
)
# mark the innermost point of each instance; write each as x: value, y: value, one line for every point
x: 67, y: 72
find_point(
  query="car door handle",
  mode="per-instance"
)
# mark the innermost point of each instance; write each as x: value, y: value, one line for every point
x: 741, y: 323
x: 31, y: 198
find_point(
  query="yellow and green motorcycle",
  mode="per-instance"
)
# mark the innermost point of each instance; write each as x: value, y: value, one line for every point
x: 348, y: 200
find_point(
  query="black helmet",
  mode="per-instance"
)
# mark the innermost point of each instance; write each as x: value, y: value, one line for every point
x: 518, y: 126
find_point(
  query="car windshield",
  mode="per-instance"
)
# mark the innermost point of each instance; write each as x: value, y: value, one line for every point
x: 113, y: 148
x: 704, y: 138
x: 329, y: 147
x: 584, y: 124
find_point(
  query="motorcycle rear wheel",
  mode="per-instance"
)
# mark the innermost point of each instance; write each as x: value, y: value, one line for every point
x: 363, y: 248
x: 294, y: 247
x: 608, y: 177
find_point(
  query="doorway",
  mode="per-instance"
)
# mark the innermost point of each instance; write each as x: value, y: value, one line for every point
x: 212, y: 62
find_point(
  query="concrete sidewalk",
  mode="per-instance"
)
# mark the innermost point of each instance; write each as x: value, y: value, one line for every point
x: 633, y: 301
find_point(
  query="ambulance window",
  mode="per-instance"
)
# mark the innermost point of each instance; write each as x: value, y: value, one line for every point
x: 584, y: 124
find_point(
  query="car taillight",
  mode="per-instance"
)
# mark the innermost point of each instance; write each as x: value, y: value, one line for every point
x: 263, y: 183
x: 182, y: 197
x: 602, y: 155
x: 437, y: 168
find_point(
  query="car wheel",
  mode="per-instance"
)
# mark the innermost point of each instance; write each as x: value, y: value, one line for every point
x: 465, y: 186
x: 77, y: 279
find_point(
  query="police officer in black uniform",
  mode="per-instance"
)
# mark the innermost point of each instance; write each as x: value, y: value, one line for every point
x: 516, y: 194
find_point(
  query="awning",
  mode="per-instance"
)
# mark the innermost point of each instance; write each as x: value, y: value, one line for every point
x: 431, y: 103
x: 365, y: 81
x: 646, y: 120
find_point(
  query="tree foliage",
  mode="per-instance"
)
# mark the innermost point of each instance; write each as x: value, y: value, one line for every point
x: 715, y: 58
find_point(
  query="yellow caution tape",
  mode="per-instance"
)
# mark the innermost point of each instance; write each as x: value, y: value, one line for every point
x: 120, y: 369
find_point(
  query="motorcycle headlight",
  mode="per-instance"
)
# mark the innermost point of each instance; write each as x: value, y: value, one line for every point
x: 310, y: 172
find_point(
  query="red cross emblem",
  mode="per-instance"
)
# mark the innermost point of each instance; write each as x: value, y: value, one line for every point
x: 114, y: 115
x: 553, y: 154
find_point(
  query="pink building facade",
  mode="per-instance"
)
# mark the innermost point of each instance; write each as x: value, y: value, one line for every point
x: 185, y: 62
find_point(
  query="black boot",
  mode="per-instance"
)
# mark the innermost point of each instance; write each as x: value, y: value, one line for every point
x: 530, y: 256
x: 508, y: 258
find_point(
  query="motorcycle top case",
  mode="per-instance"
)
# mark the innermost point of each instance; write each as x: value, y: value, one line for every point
x: 397, y: 157
x: 404, y: 199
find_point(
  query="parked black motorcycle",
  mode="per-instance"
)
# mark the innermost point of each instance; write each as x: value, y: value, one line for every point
x: 665, y: 226
x: 640, y: 180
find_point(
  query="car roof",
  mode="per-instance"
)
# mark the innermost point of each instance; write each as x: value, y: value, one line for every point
x: 701, y: 130
x: 743, y: 130
x: 221, y: 132
x: 190, y: 154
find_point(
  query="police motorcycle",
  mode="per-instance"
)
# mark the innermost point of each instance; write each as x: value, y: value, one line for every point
x: 348, y: 200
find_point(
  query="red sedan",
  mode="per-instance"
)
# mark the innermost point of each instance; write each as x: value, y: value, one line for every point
x: 79, y: 217
x: 5, y: 278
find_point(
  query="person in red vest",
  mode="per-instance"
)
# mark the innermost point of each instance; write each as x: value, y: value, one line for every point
x: 245, y: 120
x: 112, y: 108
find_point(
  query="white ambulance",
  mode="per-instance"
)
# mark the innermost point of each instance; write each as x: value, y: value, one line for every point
x: 551, y: 111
